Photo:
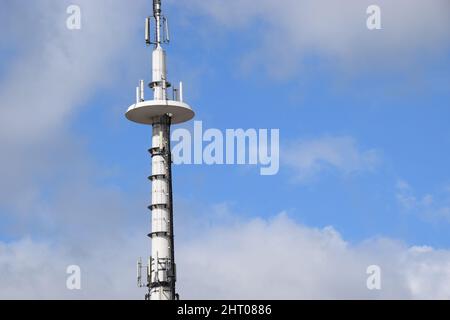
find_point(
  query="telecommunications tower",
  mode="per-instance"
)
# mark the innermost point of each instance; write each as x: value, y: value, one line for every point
x: 166, y: 108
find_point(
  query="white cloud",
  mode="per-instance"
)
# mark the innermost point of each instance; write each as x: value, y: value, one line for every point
x: 37, y: 270
x: 308, y: 158
x: 53, y: 72
x: 292, y: 30
x: 279, y: 258
x: 59, y: 68
x: 252, y: 259
x: 50, y: 190
x: 429, y: 206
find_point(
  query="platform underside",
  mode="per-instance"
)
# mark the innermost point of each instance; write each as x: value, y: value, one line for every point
x: 145, y: 112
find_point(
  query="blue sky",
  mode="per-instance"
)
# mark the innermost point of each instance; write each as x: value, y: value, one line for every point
x: 363, y: 118
x: 402, y: 113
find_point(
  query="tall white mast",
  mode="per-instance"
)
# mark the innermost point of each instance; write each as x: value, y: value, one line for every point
x: 161, y: 113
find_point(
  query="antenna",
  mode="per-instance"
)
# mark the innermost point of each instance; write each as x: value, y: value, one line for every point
x: 138, y: 95
x: 148, y: 40
x: 161, y: 113
x: 139, y: 272
x: 141, y: 90
x: 161, y: 26
x: 157, y: 14
x: 166, y: 30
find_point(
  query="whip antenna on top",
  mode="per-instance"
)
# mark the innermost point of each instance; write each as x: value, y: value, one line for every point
x: 159, y: 112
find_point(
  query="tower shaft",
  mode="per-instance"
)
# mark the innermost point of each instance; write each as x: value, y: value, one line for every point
x: 162, y: 264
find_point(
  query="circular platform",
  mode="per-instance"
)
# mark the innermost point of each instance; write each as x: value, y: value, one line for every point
x: 144, y: 112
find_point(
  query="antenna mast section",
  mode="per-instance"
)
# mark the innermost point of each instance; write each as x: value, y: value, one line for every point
x: 160, y: 113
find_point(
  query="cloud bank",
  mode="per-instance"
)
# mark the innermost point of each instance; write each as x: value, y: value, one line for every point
x: 255, y: 259
x: 290, y: 32
x: 341, y: 154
